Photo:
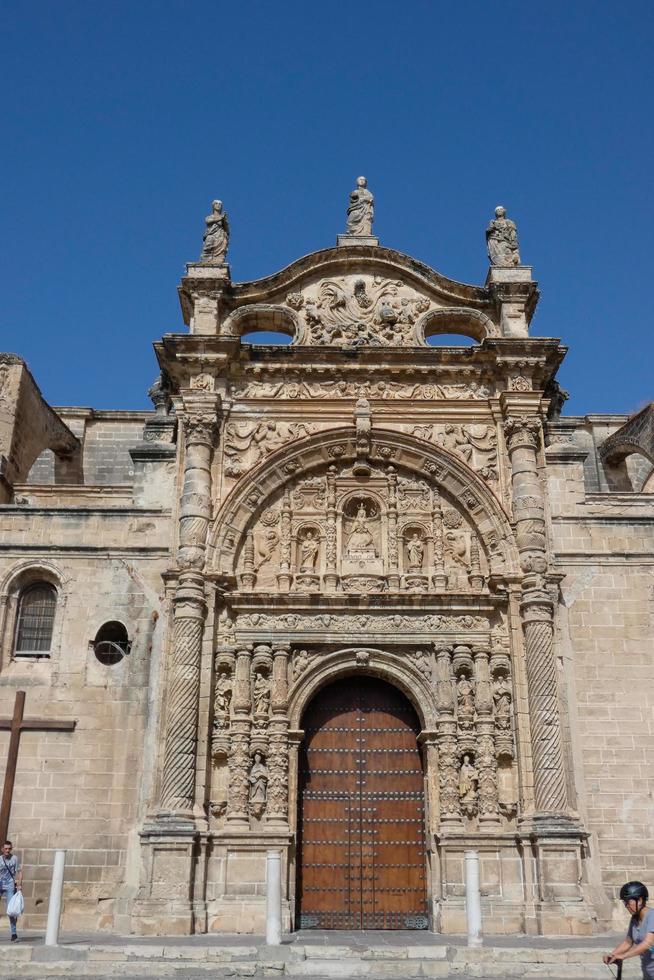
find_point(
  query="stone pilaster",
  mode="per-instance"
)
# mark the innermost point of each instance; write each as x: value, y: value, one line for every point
x: 239, y: 753
x: 277, y: 809
x: 331, y: 576
x: 199, y: 421
x: 446, y: 738
x: 489, y: 806
x: 393, y: 550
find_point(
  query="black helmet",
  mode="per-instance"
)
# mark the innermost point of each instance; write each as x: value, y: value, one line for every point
x: 633, y: 889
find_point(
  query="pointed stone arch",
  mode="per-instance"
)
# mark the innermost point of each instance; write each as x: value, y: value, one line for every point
x: 337, y: 446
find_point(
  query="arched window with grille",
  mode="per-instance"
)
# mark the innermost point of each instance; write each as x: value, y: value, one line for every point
x: 36, y: 611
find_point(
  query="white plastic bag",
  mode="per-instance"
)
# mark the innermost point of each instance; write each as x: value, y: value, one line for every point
x: 15, y: 905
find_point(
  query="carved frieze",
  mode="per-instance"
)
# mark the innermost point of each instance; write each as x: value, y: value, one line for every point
x: 369, y: 622
x: 353, y: 389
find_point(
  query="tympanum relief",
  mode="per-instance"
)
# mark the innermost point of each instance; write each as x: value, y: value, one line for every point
x: 357, y: 311
x: 334, y: 533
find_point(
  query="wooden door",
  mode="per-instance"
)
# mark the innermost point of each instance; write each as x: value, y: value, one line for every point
x: 361, y: 848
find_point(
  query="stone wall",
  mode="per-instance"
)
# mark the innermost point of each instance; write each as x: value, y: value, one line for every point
x: 604, y: 543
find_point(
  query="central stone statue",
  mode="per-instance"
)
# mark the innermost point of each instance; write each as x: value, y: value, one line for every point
x: 361, y: 209
x: 216, y: 236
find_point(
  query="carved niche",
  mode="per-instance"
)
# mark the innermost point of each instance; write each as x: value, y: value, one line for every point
x: 332, y: 532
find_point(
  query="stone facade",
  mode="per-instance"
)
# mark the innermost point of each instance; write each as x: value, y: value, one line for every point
x: 358, y: 501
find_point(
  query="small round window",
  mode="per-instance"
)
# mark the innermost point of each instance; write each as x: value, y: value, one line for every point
x: 111, y: 644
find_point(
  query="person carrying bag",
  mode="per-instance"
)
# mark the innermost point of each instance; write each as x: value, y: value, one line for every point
x: 11, y: 883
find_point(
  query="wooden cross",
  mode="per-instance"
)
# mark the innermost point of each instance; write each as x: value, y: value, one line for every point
x: 16, y: 725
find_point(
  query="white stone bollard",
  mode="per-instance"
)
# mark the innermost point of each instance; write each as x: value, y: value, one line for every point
x: 473, y: 899
x: 54, y: 905
x: 274, y: 898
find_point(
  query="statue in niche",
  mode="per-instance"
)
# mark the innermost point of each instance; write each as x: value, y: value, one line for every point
x: 261, y: 694
x: 502, y: 240
x: 216, y: 236
x: 360, y: 211
x: 266, y: 548
x: 465, y: 695
x: 502, y: 700
x: 361, y: 544
x: 258, y: 779
x: 309, y: 547
x: 223, y: 696
x: 468, y: 780
x: 415, y: 551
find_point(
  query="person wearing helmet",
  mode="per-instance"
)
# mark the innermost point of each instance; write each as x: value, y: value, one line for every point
x: 639, y: 940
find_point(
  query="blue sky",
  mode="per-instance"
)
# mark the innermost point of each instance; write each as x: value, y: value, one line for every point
x: 121, y: 121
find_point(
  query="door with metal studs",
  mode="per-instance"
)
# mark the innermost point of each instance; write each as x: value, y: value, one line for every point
x: 361, y: 839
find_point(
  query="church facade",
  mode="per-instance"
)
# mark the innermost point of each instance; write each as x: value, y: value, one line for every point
x: 360, y: 599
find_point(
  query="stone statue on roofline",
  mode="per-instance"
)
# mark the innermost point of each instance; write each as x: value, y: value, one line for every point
x: 360, y: 210
x: 216, y: 236
x: 502, y: 240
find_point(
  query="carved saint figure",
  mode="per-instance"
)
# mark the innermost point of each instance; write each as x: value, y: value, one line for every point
x: 261, y: 694
x: 258, y: 779
x: 216, y: 236
x: 360, y: 210
x: 266, y: 548
x: 360, y: 537
x: 465, y: 697
x: 308, y: 552
x: 502, y: 699
x: 415, y: 551
x: 468, y: 779
x: 223, y: 693
x: 502, y: 240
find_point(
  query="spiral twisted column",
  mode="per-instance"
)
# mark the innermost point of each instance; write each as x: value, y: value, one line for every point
x: 199, y: 424
x: 523, y: 437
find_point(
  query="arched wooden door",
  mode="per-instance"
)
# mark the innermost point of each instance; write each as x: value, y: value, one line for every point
x: 361, y: 845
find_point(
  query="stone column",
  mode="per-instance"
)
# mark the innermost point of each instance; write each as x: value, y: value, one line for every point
x: 285, y: 576
x: 523, y: 435
x: 199, y: 422
x: 277, y: 810
x: 440, y: 578
x: 239, y: 755
x: 331, y: 576
x: 489, y: 806
x: 448, y: 755
x: 393, y: 550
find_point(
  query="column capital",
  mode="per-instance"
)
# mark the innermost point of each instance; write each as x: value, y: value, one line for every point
x: 522, y: 432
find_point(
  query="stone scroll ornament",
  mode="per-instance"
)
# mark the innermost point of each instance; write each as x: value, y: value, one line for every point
x: 199, y: 422
x: 523, y: 435
x: 502, y: 240
x: 216, y: 236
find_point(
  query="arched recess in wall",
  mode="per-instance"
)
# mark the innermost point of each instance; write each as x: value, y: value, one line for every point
x: 319, y: 450
x: 458, y: 321
x: 16, y: 584
x: 399, y: 672
x: 262, y: 318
